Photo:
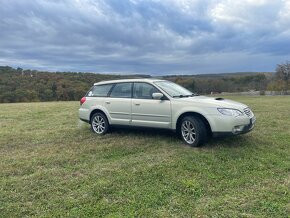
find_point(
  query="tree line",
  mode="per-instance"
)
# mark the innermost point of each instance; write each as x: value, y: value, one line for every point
x: 238, y: 83
x: 18, y: 85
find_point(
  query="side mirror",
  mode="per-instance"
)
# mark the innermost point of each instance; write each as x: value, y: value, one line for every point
x: 157, y: 95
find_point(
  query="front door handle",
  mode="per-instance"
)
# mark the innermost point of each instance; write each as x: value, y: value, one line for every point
x: 107, y: 102
x: 137, y: 104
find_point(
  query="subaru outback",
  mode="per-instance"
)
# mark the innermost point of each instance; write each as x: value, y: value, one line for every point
x: 156, y: 103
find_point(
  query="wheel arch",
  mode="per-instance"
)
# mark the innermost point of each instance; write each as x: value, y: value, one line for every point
x: 194, y: 114
x: 97, y: 111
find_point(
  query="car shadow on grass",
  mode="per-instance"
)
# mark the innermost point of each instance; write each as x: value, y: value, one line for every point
x: 229, y: 141
x: 142, y: 131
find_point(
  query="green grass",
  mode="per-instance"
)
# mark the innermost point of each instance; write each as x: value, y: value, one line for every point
x: 51, y: 164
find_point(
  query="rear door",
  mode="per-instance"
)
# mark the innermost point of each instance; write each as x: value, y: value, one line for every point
x: 119, y: 102
x: 147, y: 111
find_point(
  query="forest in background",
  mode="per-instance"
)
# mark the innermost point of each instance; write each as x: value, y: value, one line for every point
x: 18, y: 85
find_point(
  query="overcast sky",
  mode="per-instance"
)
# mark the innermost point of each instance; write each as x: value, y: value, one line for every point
x: 145, y: 36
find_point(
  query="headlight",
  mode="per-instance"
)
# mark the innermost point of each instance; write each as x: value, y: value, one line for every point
x: 230, y: 112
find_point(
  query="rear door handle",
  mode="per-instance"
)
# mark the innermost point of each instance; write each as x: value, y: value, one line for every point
x: 137, y: 104
x: 107, y: 102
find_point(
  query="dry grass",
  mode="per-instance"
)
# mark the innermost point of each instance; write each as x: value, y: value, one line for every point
x: 51, y: 164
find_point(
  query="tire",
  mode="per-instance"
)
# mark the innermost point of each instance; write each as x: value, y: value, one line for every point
x: 99, y: 124
x: 192, y: 131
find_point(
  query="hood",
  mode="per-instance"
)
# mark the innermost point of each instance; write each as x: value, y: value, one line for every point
x: 214, y: 102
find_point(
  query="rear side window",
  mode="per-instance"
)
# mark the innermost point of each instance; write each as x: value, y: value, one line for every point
x: 122, y: 90
x: 100, y: 90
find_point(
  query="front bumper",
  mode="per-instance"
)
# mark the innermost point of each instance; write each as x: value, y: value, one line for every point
x: 238, y: 130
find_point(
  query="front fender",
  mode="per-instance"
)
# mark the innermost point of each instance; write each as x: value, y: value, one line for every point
x: 205, y: 112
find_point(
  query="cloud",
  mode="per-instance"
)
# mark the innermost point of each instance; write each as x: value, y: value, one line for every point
x: 148, y: 36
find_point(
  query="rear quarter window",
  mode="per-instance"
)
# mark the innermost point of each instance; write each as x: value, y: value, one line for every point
x: 100, y: 90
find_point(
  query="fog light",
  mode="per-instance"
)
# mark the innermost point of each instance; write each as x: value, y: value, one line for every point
x: 237, y: 129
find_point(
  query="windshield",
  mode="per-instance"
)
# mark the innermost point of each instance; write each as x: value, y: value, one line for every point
x: 173, y: 89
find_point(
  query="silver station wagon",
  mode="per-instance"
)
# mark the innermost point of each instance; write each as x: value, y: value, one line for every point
x: 163, y: 104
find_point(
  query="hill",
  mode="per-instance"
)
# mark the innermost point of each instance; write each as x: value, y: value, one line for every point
x: 18, y: 85
x: 218, y: 75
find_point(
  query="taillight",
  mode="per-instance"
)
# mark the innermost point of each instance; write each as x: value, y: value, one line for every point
x: 83, y: 100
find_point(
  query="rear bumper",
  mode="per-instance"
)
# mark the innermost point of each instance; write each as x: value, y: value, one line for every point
x: 84, y: 114
x: 242, y: 129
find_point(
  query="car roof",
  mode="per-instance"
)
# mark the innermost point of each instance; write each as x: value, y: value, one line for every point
x: 150, y: 80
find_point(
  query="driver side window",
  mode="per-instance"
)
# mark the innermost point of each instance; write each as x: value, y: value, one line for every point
x: 144, y: 91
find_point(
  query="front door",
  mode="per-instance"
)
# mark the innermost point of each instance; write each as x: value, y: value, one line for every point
x: 149, y: 112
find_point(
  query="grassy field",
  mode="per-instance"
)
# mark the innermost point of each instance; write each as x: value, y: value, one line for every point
x: 51, y: 164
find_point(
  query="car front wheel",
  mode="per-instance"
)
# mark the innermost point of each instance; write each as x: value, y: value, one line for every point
x: 192, y: 131
x: 99, y: 124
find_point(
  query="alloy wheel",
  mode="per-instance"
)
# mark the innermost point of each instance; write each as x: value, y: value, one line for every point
x: 188, y: 132
x: 98, y: 124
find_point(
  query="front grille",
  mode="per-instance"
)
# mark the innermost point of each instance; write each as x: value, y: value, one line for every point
x: 248, y: 112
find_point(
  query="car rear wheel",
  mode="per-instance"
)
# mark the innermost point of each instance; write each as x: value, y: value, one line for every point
x: 192, y: 131
x: 99, y: 124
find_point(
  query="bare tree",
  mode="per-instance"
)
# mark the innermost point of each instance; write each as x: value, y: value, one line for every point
x: 283, y: 74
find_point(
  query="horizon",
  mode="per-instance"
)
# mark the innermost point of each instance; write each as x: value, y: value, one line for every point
x: 147, y: 37
x: 136, y: 74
